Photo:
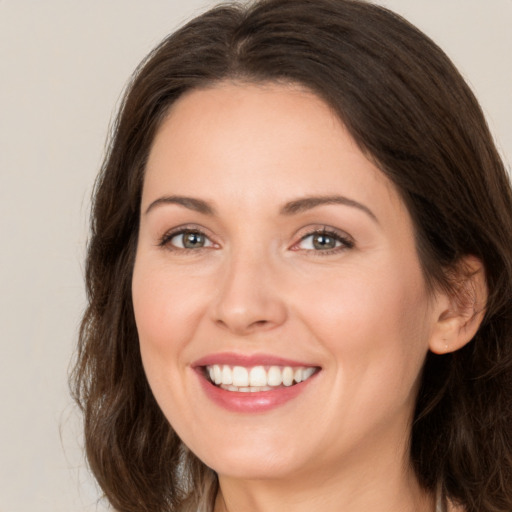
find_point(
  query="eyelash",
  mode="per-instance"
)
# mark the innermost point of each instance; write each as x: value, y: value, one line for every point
x: 345, y: 241
x: 167, y: 237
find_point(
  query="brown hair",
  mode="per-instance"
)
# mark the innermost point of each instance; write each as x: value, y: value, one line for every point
x: 408, y: 108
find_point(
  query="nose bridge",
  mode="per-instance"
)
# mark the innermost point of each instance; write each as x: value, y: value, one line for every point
x: 248, y: 296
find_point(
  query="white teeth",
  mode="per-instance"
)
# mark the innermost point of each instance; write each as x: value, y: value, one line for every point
x: 227, y: 375
x: 307, y: 372
x: 257, y: 378
x: 240, y: 376
x: 217, y: 374
x: 287, y: 376
x: 275, y: 377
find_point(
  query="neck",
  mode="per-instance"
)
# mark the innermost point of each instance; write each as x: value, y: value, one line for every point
x: 384, y: 482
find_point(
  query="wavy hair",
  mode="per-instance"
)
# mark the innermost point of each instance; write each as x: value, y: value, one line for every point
x: 408, y: 109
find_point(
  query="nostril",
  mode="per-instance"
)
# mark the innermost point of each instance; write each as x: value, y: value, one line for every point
x: 258, y: 325
x: 242, y: 326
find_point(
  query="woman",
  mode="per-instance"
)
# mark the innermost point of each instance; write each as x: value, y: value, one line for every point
x: 299, y: 274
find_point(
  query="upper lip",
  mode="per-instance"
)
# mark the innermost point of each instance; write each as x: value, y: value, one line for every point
x: 247, y: 360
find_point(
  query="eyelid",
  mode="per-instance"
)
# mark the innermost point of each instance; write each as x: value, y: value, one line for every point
x: 164, y: 240
x: 347, y: 242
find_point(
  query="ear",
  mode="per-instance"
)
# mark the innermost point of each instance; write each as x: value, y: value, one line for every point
x: 459, y: 311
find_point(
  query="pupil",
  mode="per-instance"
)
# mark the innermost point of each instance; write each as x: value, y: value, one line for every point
x: 193, y: 240
x: 324, y: 242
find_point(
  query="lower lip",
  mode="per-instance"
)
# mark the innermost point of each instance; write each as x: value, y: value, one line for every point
x: 252, y: 402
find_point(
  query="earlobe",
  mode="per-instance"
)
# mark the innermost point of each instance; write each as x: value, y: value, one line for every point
x: 460, y: 311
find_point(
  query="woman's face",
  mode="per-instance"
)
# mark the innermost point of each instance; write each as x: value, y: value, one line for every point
x: 271, y: 250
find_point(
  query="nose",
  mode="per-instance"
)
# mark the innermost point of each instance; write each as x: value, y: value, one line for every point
x: 249, y: 299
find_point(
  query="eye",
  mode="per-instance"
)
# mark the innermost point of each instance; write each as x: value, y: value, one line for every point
x: 186, y: 239
x: 325, y: 241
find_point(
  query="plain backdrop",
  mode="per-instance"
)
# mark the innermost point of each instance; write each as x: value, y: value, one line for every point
x: 63, y: 65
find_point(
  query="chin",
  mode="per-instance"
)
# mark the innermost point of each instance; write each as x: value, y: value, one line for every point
x: 251, y: 462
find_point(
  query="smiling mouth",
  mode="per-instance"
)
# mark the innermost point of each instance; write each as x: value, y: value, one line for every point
x: 256, y: 378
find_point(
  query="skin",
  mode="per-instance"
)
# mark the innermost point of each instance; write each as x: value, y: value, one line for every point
x: 362, y: 313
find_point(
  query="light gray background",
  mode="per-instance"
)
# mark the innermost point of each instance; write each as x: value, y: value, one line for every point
x: 63, y: 65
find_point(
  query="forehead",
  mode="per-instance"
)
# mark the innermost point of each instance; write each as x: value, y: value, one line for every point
x: 257, y: 142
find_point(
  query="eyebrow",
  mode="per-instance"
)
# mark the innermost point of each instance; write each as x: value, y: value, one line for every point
x: 307, y: 203
x: 291, y: 208
x: 197, y: 205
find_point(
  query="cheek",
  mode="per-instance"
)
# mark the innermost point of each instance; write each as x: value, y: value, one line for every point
x: 355, y: 301
x: 167, y: 309
x: 374, y: 325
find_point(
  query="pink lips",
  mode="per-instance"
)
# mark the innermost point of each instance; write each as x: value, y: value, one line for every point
x: 247, y: 360
x: 254, y: 402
